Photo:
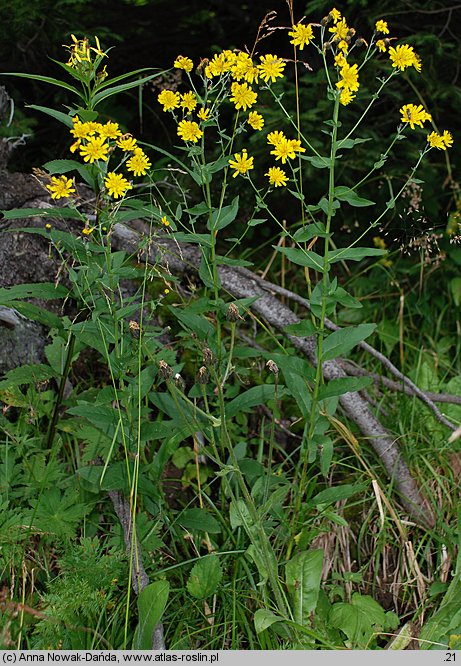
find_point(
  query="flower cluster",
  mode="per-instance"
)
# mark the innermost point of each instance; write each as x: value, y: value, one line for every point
x: 284, y: 148
x: 440, y: 141
x: 96, y: 141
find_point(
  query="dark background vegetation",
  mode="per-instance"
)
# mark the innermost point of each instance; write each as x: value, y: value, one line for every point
x: 151, y: 33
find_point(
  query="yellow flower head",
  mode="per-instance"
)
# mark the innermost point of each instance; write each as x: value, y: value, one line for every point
x: 169, y: 99
x: 403, y: 56
x: 381, y: 26
x: 255, y: 120
x: 441, y: 142
x: 95, y: 148
x: 184, y: 63
x: 127, y: 143
x: 275, y: 138
x: 286, y: 149
x: 165, y: 221
x: 60, y: 187
x: 346, y: 97
x: 110, y: 130
x: 81, y: 130
x: 189, y: 131
x: 335, y: 14
x: 271, y: 68
x: 414, y: 115
x: 242, y: 163
x: 138, y: 163
x: 340, y: 29
x: 343, y: 46
x: 242, y: 95
x: 340, y: 60
x: 116, y: 185
x: 381, y: 44
x: 220, y: 64
x: 88, y: 230
x: 277, y: 177
x: 188, y: 101
x: 203, y: 114
x: 243, y: 68
x: 349, y: 77
x: 302, y: 35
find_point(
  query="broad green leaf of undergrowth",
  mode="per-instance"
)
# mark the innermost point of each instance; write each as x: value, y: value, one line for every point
x: 151, y: 604
x: 341, y: 342
x: 354, y: 254
x: 303, y: 577
x: 361, y: 619
x: 222, y: 217
x: 199, y: 519
x: 43, y: 290
x: 343, y: 193
x: 205, y: 577
x: 257, y: 395
x: 264, y: 618
x: 343, y: 385
x: 27, y: 374
x: 302, y: 257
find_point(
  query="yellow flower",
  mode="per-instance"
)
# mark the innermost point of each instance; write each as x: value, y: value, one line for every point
x: 220, y: 64
x: 110, y: 130
x: 48, y: 226
x: 414, y: 115
x: 88, y: 230
x: 165, y: 221
x: 335, y: 14
x: 242, y: 163
x: 381, y: 26
x: 242, y: 95
x: 403, y: 56
x: 138, y: 163
x: 340, y: 29
x: 188, y: 101
x: 381, y: 45
x: 95, y: 149
x: 80, y: 130
x: 189, y: 131
x: 60, y: 187
x: 274, y: 138
x: 203, y: 114
x: 346, y: 97
x: 277, y: 177
x: 127, y: 142
x: 302, y: 35
x: 169, y: 99
x: 343, y: 46
x: 340, y: 60
x: 271, y: 67
x: 256, y: 120
x: 243, y: 67
x: 350, y: 77
x: 441, y: 142
x: 184, y: 63
x: 93, y: 127
x: 116, y: 185
x: 287, y: 148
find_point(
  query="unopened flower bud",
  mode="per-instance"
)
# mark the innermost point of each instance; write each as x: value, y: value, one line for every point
x: 233, y: 314
x: 202, y: 375
x: 360, y: 42
x: 272, y: 366
x: 135, y: 329
x: 351, y: 32
x: 326, y: 46
x: 165, y: 370
x: 326, y: 20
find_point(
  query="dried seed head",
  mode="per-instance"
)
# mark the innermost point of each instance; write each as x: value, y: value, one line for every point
x: 360, y: 42
x: 272, y: 366
x: 179, y: 382
x: 202, y: 375
x: 207, y: 356
x: 351, y: 32
x: 233, y: 314
x: 135, y: 329
x: 326, y: 20
x: 165, y: 370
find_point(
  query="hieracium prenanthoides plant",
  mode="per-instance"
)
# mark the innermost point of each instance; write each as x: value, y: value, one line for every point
x: 187, y: 383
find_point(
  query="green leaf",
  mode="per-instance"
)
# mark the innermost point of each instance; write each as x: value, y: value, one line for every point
x: 341, y: 342
x: 350, y: 143
x: 61, y: 213
x: 303, y: 577
x: 354, y: 254
x: 337, y: 493
x: 44, y: 79
x: 27, y: 374
x: 317, y: 162
x: 64, y: 166
x: 151, y: 604
x: 455, y: 288
x: 256, y: 220
x: 43, y: 290
x: 360, y: 619
x: 302, y: 257
x: 343, y: 385
x: 199, y: 519
x: 114, y: 90
x: 303, y: 329
x: 205, y: 577
x: 343, y: 193
x: 257, y: 395
x: 314, y: 230
x: 63, y: 118
x: 222, y: 217
x: 264, y: 618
